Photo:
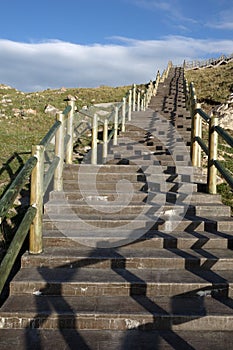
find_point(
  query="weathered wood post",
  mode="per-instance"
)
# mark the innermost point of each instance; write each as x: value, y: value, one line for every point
x: 70, y: 132
x: 123, y: 114
x: 200, y: 135
x: 130, y: 105
x: 105, y: 140
x: 59, y: 152
x: 195, y: 133
x: 193, y: 106
x: 143, y: 103
x: 213, y: 154
x: 138, y: 101
x: 36, y: 200
x: 115, y: 126
x: 134, y: 97
x: 94, y: 139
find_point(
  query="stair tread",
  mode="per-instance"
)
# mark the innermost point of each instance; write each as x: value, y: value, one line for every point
x: 116, y: 307
x: 127, y: 276
x: 131, y: 253
x: 10, y: 339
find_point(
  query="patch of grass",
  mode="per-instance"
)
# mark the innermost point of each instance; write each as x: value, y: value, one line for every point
x: 213, y: 85
x: 19, y: 130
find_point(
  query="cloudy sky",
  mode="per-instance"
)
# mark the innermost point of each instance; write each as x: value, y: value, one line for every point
x: 88, y: 43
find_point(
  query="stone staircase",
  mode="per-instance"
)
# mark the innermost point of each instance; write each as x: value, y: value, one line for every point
x: 136, y: 254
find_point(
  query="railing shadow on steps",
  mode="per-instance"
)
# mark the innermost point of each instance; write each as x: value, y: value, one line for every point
x: 198, y: 145
x: 40, y: 169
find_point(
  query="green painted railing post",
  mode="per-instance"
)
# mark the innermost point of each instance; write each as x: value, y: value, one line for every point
x: 213, y: 154
x: 115, y: 127
x: 94, y: 139
x: 36, y: 200
x: 105, y: 140
x: 59, y: 152
x: 70, y: 132
x: 123, y: 114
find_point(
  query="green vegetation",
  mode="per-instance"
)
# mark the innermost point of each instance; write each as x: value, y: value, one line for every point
x: 213, y: 85
x: 23, y: 121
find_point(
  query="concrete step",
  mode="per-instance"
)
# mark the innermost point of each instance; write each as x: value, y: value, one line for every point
x: 151, y: 239
x: 121, y: 282
x: 126, y: 257
x: 114, y: 340
x: 124, y: 206
x: 177, y: 198
x: 164, y: 223
x: 160, y: 185
x: 115, y: 313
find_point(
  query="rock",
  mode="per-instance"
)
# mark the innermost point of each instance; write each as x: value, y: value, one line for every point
x: 225, y: 113
x: 49, y: 109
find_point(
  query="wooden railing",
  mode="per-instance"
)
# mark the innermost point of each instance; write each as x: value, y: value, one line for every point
x: 40, y: 169
x: 209, y: 62
x: 211, y: 148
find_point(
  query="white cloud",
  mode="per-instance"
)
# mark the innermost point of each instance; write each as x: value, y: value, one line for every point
x: 53, y: 64
x: 225, y: 20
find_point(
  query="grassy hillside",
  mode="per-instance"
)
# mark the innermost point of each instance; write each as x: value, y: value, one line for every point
x: 213, y: 87
x: 23, y: 121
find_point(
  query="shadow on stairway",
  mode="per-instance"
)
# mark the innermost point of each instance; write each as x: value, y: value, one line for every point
x: 163, y: 317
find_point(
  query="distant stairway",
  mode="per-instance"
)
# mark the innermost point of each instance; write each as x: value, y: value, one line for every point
x: 136, y: 254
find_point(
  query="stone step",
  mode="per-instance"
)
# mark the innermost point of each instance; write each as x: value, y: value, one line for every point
x: 11, y: 339
x: 71, y: 171
x: 177, y: 198
x: 125, y: 186
x: 115, y: 313
x: 164, y: 223
x: 151, y: 239
x: 157, y: 177
x: 121, y: 282
x: 146, y: 160
x: 124, y: 206
x: 124, y: 257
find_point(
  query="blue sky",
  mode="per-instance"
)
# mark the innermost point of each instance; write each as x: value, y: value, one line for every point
x: 87, y: 43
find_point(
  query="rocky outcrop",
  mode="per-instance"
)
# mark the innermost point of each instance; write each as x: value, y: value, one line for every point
x: 225, y: 113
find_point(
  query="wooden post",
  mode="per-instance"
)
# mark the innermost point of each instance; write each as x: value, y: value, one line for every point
x: 115, y: 127
x: 130, y: 105
x: 213, y: 154
x: 105, y: 140
x: 143, y: 103
x: 36, y: 200
x: 94, y: 139
x: 134, y: 97
x: 59, y: 152
x: 123, y: 114
x: 196, y: 125
x: 70, y: 132
x: 138, y: 101
x: 200, y: 135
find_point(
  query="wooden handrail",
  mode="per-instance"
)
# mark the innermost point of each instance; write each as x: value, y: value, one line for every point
x: 62, y: 131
